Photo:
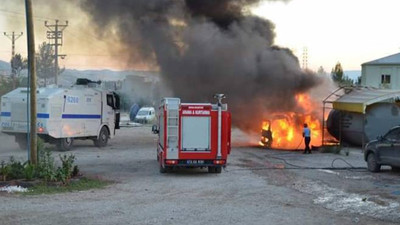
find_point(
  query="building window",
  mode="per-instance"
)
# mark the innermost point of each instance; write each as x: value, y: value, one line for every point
x: 385, y: 79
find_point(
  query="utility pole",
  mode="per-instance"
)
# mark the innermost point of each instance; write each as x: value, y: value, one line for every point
x: 32, y: 74
x: 13, y: 37
x: 305, y: 58
x: 55, y: 33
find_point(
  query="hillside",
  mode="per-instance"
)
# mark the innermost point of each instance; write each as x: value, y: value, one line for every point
x: 4, y: 67
x: 353, y: 74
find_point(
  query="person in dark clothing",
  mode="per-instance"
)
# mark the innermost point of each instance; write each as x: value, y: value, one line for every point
x: 307, y: 139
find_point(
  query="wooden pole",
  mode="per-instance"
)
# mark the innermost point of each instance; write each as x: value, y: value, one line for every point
x: 32, y: 73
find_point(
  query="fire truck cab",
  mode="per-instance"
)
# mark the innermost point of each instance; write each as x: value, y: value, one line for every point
x: 193, y: 135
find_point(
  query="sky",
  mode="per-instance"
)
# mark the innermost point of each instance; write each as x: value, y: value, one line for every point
x: 347, y: 31
x: 84, y: 48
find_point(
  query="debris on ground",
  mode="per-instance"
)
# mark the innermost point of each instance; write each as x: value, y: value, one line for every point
x: 12, y: 189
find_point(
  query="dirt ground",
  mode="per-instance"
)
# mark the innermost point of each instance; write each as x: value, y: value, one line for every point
x: 258, y: 186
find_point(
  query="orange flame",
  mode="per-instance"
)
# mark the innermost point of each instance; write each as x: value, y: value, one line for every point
x: 287, y: 128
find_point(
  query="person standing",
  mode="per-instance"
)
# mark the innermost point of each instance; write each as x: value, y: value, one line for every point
x: 268, y: 135
x: 307, y: 139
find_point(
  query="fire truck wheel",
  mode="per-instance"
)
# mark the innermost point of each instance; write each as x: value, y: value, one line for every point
x: 102, y: 140
x: 214, y: 169
x: 162, y: 169
x: 64, y: 144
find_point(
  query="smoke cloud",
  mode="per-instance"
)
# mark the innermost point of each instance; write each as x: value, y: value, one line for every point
x: 203, y: 47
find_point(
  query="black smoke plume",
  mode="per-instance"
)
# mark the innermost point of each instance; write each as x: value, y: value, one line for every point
x: 203, y: 47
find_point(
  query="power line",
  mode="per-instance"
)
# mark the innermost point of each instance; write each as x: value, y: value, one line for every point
x: 13, y: 37
x: 23, y: 15
x: 55, y: 33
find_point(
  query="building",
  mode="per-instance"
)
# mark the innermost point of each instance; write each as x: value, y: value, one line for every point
x: 382, y: 73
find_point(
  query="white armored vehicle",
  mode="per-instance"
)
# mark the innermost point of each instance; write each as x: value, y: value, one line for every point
x: 83, y: 111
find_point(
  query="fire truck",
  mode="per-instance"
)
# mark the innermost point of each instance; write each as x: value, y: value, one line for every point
x: 193, y: 135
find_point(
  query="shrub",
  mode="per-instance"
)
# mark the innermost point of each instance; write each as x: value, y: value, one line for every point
x: 64, y: 173
x: 4, y: 170
x: 30, y: 171
x: 40, y: 144
x: 46, y: 168
x: 17, y: 169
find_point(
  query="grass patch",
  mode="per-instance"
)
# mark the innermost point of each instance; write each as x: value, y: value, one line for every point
x: 79, y: 185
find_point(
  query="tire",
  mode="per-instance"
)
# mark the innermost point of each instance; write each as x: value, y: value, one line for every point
x: 22, y: 141
x: 102, y: 140
x: 372, y: 164
x: 162, y: 169
x: 211, y: 169
x: 395, y: 168
x: 218, y: 169
x: 64, y: 144
x: 23, y: 145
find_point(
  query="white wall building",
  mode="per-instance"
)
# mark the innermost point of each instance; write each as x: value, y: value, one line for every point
x: 382, y: 73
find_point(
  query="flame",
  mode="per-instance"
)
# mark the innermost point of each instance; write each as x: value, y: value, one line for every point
x: 265, y: 125
x: 287, y: 127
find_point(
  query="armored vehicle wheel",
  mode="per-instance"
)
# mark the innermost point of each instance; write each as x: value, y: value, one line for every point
x: 22, y: 141
x: 64, y: 144
x: 102, y: 140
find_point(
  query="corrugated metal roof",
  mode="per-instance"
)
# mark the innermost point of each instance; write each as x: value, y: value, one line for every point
x: 391, y: 59
x: 358, y: 98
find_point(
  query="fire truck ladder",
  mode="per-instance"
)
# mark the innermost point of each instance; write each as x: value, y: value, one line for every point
x: 172, y: 127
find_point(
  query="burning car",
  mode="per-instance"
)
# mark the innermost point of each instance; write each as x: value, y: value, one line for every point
x: 266, y: 135
x: 285, y: 130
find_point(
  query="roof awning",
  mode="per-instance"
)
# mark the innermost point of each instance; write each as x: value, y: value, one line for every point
x: 358, y: 98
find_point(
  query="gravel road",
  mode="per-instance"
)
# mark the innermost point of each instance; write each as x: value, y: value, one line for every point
x: 254, y: 189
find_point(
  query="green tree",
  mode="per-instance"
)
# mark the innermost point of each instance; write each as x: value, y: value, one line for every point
x: 358, y: 80
x: 321, y: 71
x: 45, y: 63
x: 338, y: 76
x: 337, y: 73
x: 17, y: 65
x: 5, y: 86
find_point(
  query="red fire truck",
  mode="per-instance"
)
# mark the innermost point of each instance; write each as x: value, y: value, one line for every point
x: 193, y: 135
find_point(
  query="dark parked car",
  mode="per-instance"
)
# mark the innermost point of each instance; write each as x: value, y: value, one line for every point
x: 385, y: 150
